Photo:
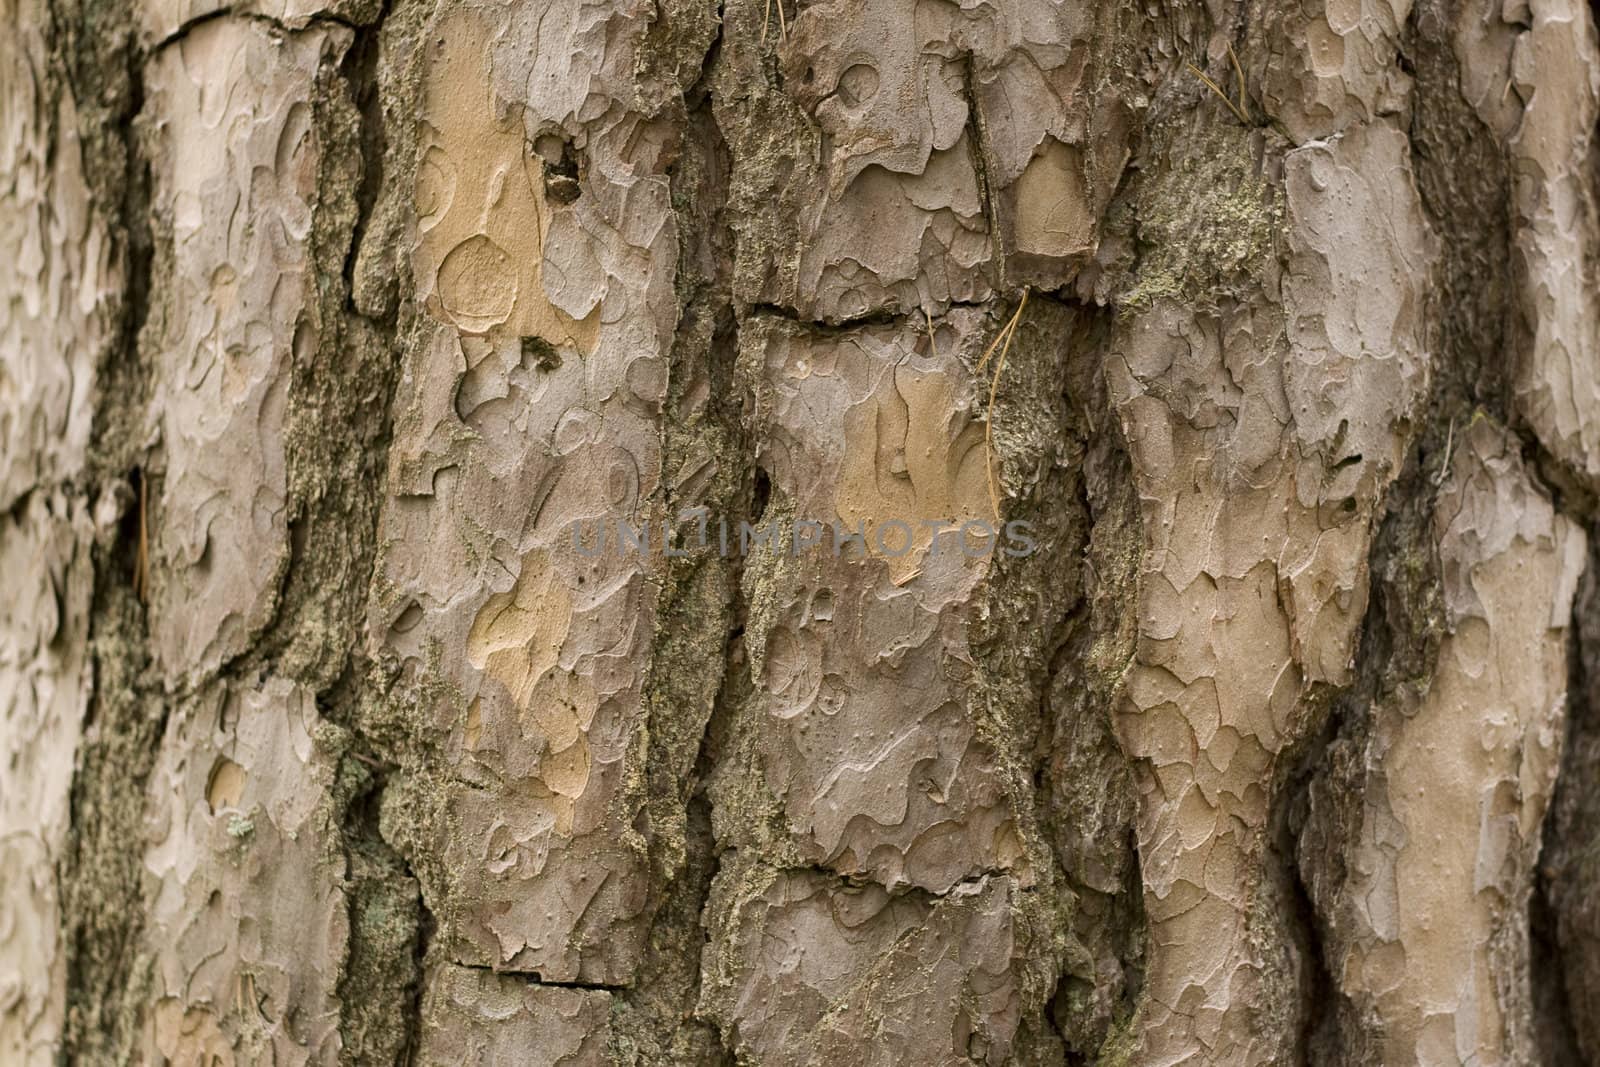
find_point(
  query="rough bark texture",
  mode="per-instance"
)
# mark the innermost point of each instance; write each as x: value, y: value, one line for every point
x: 324, y: 741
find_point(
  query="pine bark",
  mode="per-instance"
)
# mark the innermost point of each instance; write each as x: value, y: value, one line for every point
x: 327, y: 740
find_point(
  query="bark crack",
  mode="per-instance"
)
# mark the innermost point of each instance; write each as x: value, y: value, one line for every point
x: 98, y: 875
x: 977, y: 145
x: 188, y: 26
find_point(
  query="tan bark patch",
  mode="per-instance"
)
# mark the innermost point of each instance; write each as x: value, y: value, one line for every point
x: 481, y: 211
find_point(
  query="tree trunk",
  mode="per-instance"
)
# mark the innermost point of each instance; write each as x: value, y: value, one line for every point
x: 867, y: 532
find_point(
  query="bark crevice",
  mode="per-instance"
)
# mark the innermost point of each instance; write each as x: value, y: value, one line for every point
x: 98, y: 875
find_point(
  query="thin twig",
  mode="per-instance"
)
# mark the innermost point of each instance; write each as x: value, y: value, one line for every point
x: 1008, y: 333
x: 1244, y: 95
x: 141, y: 562
x: 1214, y: 87
x: 1449, y: 446
x: 1000, y: 337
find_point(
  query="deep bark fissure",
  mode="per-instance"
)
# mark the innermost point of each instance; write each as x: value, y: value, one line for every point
x: 188, y: 26
x: 124, y: 721
x: 534, y: 978
x: 380, y: 989
x: 980, y: 163
x: 360, y: 69
x: 1555, y: 1032
x: 692, y: 673
x: 1561, y: 910
x: 1318, y: 986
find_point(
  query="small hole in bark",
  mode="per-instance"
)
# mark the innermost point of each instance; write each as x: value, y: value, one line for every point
x: 539, y: 353
x: 560, y: 168
x: 128, y: 525
x: 763, y: 493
